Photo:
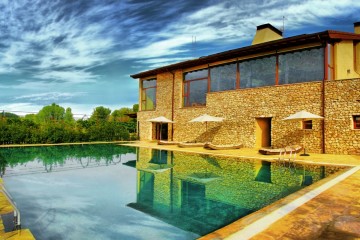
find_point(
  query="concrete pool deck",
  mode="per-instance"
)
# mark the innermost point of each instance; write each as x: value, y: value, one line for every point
x: 328, y: 209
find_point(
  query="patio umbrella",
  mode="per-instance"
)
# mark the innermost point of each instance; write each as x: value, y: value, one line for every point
x: 207, y: 118
x: 160, y: 120
x: 302, y: 116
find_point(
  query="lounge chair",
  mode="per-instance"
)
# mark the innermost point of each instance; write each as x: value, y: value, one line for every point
x: 276, y: 151
x: 163, y: 142
x: 221, y: 147
x: 191, y: 144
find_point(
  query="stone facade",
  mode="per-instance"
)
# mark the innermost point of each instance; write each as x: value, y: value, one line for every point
x: 240, y: 109
x: 342, y: 101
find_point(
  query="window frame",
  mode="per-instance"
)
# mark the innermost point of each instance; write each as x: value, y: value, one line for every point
x: 186, y: 95
x: 143, y: 93
x: 356, y: 122
x: 307, y: 125
x: 327, y: 67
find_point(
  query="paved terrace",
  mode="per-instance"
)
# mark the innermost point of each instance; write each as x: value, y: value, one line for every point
x: 328, y: 209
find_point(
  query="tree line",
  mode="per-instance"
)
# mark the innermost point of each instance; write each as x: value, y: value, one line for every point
x: 54, y: 124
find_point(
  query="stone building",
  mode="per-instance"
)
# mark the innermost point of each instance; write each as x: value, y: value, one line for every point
x: 255, y: 87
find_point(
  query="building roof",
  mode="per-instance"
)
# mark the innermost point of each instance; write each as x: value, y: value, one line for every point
x: 319, y: 37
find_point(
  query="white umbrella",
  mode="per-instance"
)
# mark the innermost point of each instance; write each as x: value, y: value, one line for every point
x: 205, y: 118
x: 160, y: 120
x: 302, y: 116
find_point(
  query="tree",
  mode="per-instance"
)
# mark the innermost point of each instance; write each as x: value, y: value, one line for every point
x: 50, y: 113
x: 68, y: 117
x: 100, y: 114
x: 135, y: 108
x: 9, y: 115
x: 120, y: 115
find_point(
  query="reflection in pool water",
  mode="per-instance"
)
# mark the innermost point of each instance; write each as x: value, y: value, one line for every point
x: 118, y: 192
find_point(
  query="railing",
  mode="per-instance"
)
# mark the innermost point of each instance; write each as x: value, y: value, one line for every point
x: 17, y: 218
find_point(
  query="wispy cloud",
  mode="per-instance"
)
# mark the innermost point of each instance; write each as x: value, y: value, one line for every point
x: 53, y: 46
x: 66, y: 38
x: 51, y: 96
x: 226, y: 22
x: 74, y: 76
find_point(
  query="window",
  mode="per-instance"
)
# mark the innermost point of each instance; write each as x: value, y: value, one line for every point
x: 356, y: 121
x: 307, y: 124
x: 258, y: 72
x: 301, y: 66
x: 148, y: 94
x: 195, y: 88
x: 223, y: 77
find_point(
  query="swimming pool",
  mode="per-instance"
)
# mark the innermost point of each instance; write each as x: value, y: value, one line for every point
x: 119, y: 192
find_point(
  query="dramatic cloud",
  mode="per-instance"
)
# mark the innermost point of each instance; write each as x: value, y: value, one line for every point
x: 93, y: 46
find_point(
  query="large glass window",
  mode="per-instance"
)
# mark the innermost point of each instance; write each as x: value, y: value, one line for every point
x: 148, y: 94
x: 258, y: 72
x: 195, y: 88
x: 223, y: 77
x: 301, y: 66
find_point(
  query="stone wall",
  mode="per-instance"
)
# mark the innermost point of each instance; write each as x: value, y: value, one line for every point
x: 341, y: 103
x: 242, y: 107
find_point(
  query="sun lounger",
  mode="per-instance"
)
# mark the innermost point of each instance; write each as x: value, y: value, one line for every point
x: 276, y: 151
x: 221, y: 147
x: 191, y: 144
x: 163, y: 142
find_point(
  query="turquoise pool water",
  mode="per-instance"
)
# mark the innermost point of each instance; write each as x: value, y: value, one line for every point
x: 118, y: 192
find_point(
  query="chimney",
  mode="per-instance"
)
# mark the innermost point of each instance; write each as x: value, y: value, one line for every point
x: 357, y: 27
x: 266, y: 33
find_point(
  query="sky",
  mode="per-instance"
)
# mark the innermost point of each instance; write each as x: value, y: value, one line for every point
x: 81, y: 53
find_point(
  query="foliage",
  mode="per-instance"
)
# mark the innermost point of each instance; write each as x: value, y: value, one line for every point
x: 54, y: 124
x: 136, y: 108
x: 49, y: 113
x: 100, y: 114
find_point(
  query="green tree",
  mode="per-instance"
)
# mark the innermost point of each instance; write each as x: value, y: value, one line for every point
x: 135, y: 108
x: 120, y: 115
x: 68, y: 117
x: 51, y: 113
x: 8, y: 115
x: 100, y: 114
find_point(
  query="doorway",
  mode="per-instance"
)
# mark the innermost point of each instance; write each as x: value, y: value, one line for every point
x: 161, y: 131
x: 263, y: 132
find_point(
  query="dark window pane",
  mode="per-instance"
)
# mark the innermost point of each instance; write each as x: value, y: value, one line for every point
x: 197, y: 94
x: 307, y: 124
x: 258, y: 72
x: 223, y: 77
x: 196, y: 74
x: 356, y: 120
x: 301, y: 66
x: 149, y: 83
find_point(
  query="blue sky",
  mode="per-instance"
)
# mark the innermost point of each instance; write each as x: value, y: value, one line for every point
x: 80, y: 53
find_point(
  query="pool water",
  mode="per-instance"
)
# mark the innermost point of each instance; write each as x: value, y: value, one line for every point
x: 119, y: 192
